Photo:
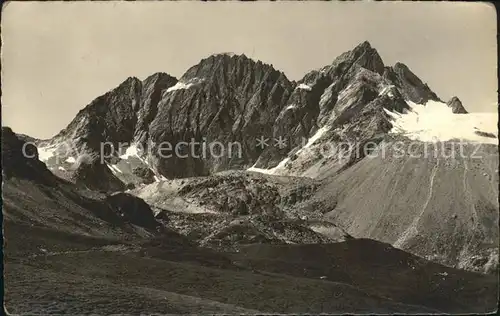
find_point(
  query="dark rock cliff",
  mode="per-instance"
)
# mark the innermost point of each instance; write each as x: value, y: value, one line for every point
x: 456, y: 106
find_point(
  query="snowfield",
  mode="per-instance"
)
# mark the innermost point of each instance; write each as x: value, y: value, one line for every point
x: 280, y: 167
x: 179, y: 86
x: 44, y: 153
x: 185, y: 85
x: 435, y: 121
x: 272, y: 170
x: 304, y: 87
x: 132, y: 151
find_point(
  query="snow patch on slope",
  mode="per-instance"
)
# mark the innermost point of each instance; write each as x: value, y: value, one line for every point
x: 272, y: 170
x: 159, y: 178
x: 319, y: 133
x: 435, y: 121
x: 184, y: 85
x: 326, y: 96
x: 179, y: 86
x: 304, y: 87
x: 387, y: 91
x: 115, y: 169
x: 276, y: 170
x: 132, y: 151
x: 346, y: 92
x: 44, y: 153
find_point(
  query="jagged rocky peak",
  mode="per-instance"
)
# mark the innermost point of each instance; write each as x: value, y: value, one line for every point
x: 330, y: 97
x: 159, y: 77
x: 231, y: 98
x: 411, y: 86
x: 363, y: 55
x: 130, y: 81
x: 210, y: 65
x: 367, y: 57
x: 351, y: 93
x: 228, y: 98
x: 120, y: 115
x: 456, y: 106
x: 232, y: 68
x: 223, y: 98
x: 110, y: 116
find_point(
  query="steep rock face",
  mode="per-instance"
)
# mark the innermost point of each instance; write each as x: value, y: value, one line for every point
x: 315, y: 100
x: 20, y: 159
x: 223, y: 99
x: 456, y: 106
x: 94, y: 175
x: 103, y: 130
x: 152, y: 89
x: 341, y: 102
x: 111, y: 118
x: 228, y: 99
x: 319, y: 92
x: 209, y: 120
x: 37, y: 203
x: 411, y: 86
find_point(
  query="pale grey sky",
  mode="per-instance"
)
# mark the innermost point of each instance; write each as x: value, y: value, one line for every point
x: 59, y: 56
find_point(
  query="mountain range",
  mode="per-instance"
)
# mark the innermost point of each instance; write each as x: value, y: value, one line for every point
x: 358, y: 165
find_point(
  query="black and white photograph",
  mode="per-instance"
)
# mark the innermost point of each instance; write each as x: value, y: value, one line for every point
x: 243, y: 158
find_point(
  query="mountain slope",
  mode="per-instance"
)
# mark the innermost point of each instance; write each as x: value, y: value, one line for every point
x: 225, y: 99
x: 332, y: 122
x: 231, y: 209
x: 41, y: 203
x: 357, y: 100
x: 444, y: 209
x: 373, y: 266
x: 69, y: 250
